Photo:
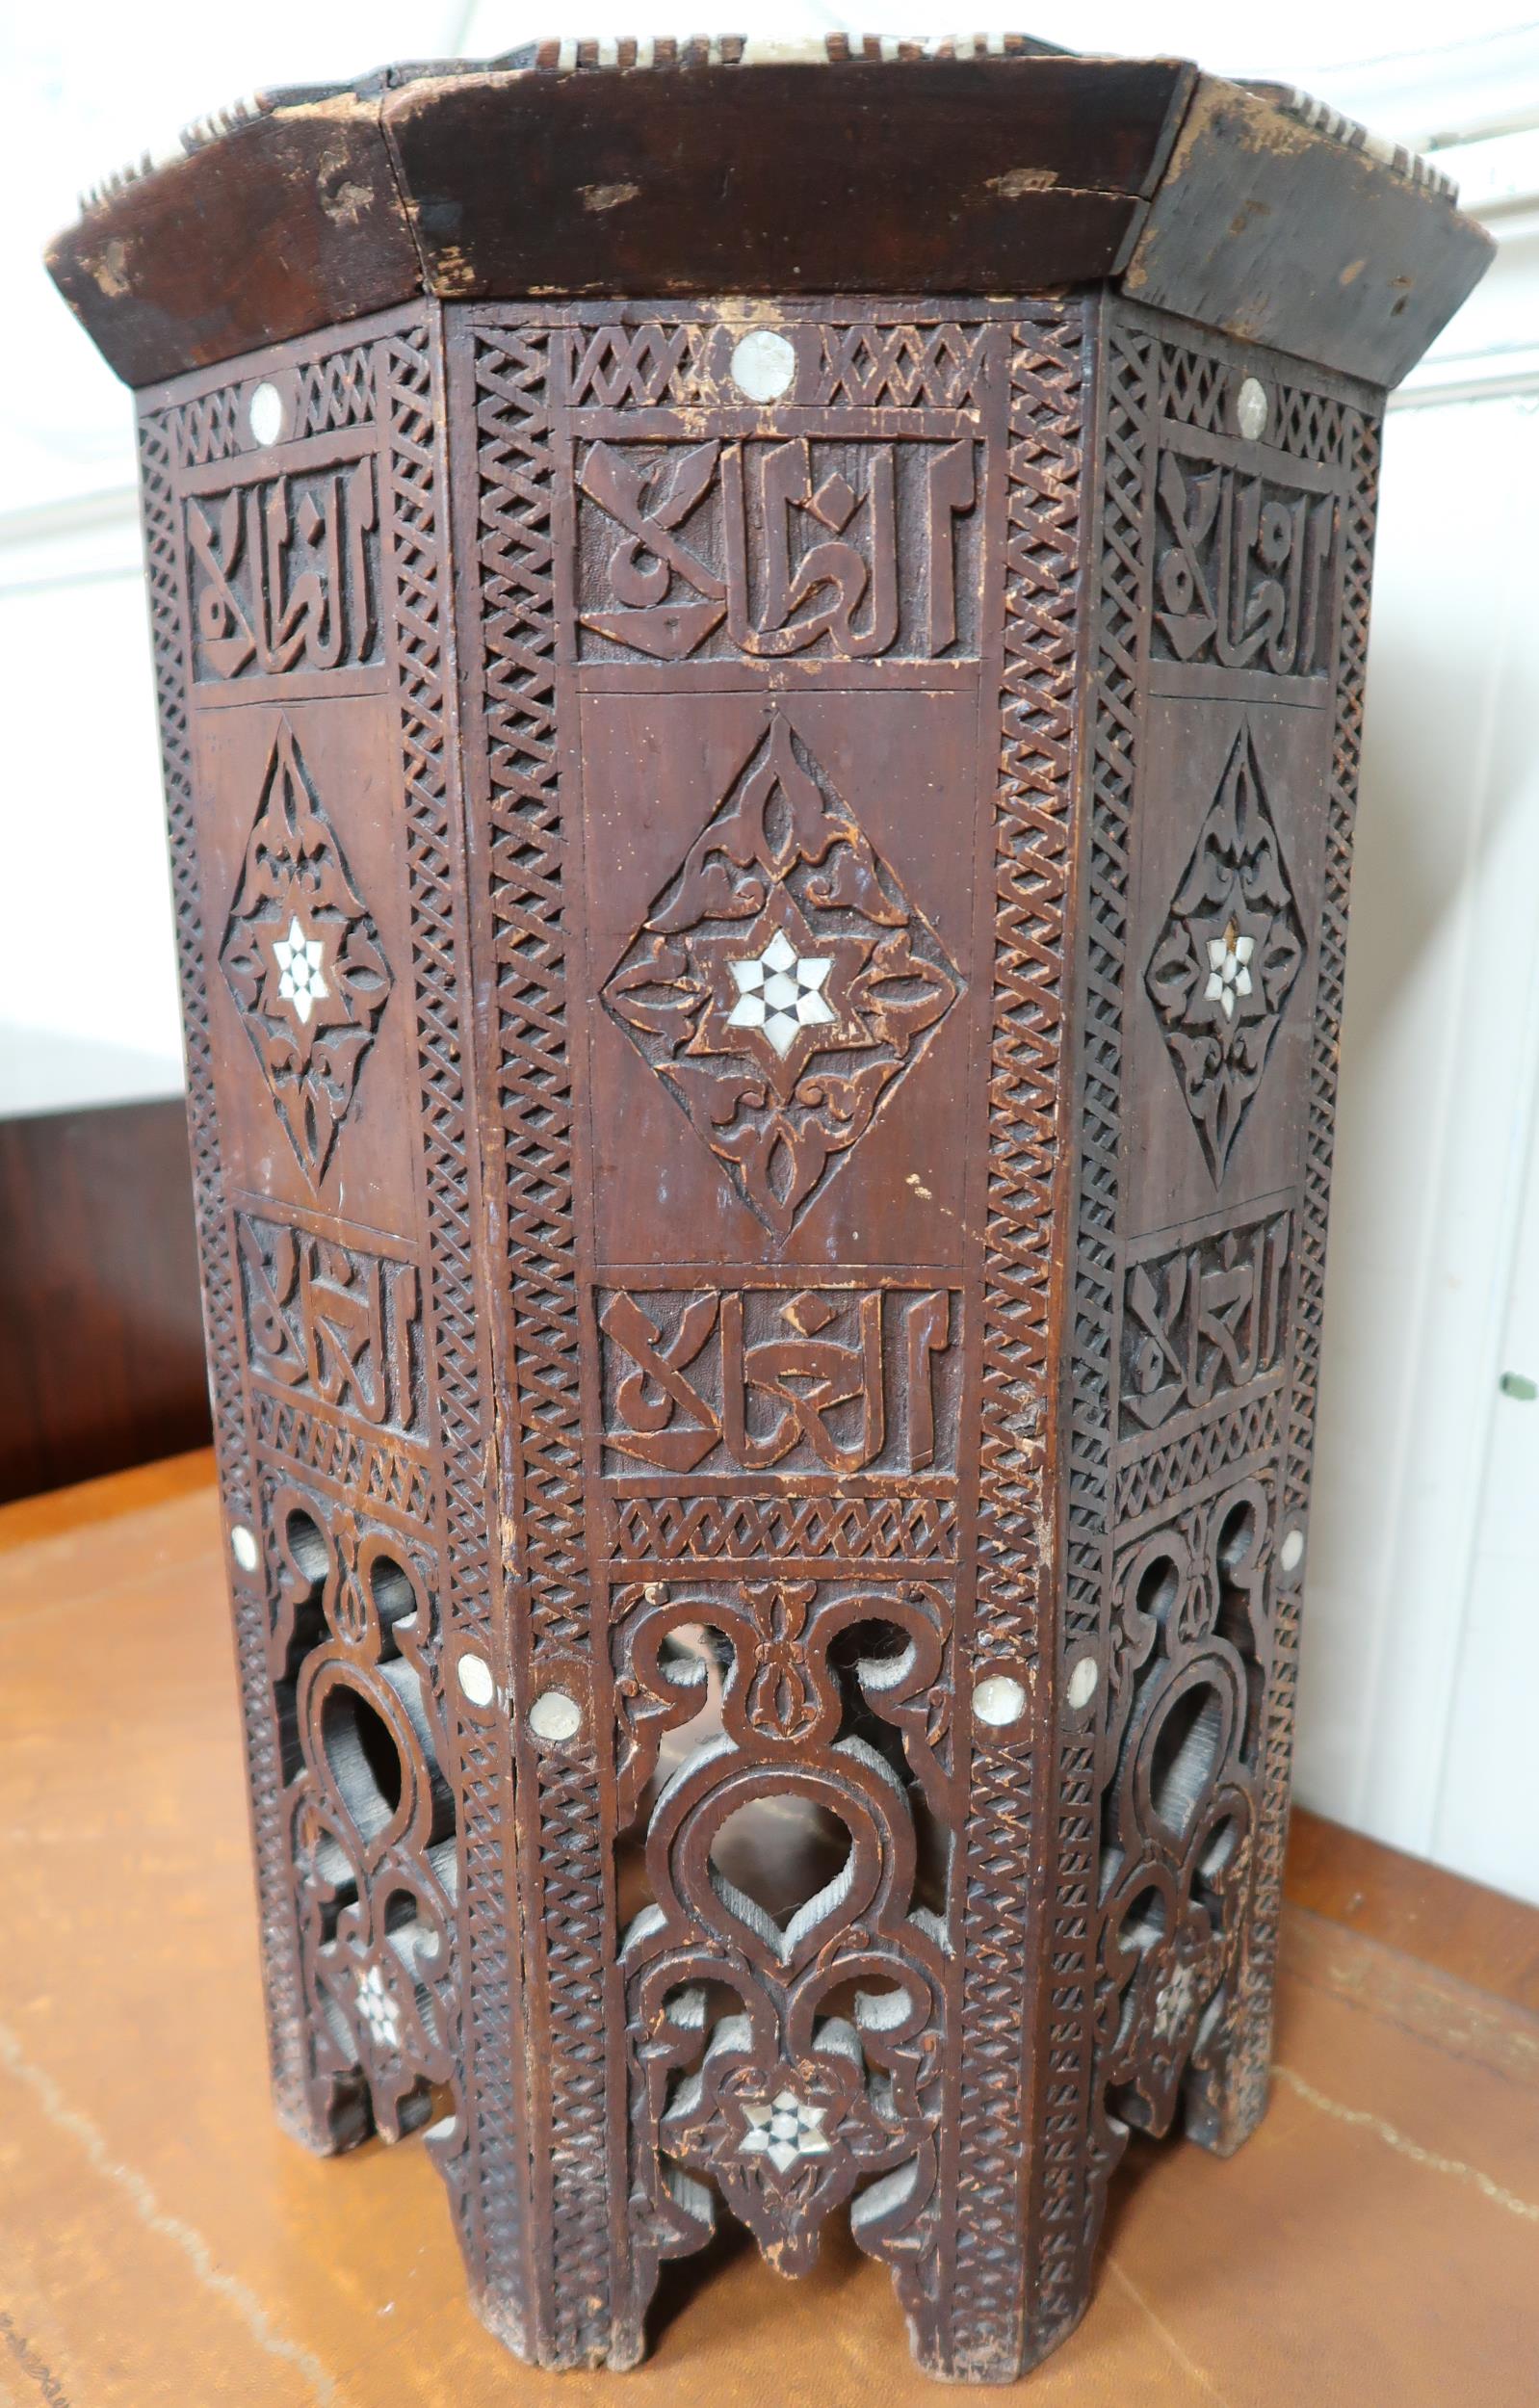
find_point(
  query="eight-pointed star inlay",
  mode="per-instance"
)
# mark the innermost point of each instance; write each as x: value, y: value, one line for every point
x: 784, y: 2128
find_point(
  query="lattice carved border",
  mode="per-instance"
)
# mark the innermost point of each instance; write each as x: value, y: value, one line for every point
x: 160, y: 437
x: 567, y: 1924
x: 1001, y: 1904
x: 483, y: 2150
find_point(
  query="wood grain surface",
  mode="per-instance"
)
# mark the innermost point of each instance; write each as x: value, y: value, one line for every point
x: 162, y: 2242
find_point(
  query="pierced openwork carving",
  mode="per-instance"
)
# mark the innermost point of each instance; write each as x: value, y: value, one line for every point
x: 353, y: 1653
x: 1225, y: 962
x: 783, y: 980
x: 1192, y: 1647
x: 301, y: 955
x: 788, y: 2049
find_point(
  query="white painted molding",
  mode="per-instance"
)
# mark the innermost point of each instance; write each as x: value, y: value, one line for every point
x: 1433, y: 100
x: 1498, y: 372
x: 77, y: 513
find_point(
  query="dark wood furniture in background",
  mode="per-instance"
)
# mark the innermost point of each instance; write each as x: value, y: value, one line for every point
x: 762, y: 885
x: 101, y: 1339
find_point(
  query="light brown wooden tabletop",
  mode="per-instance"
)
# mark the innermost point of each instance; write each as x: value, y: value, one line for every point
x: 159, y: 2242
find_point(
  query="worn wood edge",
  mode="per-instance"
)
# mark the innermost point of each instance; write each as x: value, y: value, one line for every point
x: 1427, y: 264
x: 145, y: 341
x: 322, y: 279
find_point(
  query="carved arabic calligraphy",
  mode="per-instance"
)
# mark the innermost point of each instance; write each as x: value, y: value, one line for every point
x: 284, y: 574
x: 1203, y: 1321
x: 331, y: 1322
x: 1244, y: 570
x: 777, y: 549
x: 823, y: 1379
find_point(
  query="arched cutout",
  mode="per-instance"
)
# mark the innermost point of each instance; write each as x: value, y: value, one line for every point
x: 363, y: 1757
x: 1185, y: 1755
x: 780, y: 1853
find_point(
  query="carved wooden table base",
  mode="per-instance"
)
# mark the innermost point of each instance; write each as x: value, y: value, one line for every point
x: 762, y: 891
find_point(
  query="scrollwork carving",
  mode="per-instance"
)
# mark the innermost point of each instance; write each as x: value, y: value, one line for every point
x: 1191, y: 1652
x: 819, y: 2079
x: 354, y: 1656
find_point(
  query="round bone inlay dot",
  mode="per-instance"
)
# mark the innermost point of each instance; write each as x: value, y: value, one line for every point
x: 475, y: 1679
x: 763, y: 365
x: 264, y: 415
x: 243, y: 1547
x: 1082, y: 1682
x: 1252, y: 408
x: 997, y: 1700
x: 1290, y: 1553
x: 554, y: 1715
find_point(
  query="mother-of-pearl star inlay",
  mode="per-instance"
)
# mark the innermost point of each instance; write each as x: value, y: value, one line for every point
x: 781, y: 991
x: 300, y: 980
x: 1228, y: 973
x: 786, y: 2128
x: 379, y: 2009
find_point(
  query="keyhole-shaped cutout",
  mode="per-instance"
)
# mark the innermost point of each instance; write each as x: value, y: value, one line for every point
x: 781, y: 1863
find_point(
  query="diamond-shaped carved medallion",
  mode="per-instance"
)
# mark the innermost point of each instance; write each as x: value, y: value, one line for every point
x: 302, y: 958
x: 783, y: 981
x: 1227, y: 957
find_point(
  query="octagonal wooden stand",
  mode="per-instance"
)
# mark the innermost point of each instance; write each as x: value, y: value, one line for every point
x: 761, y: 840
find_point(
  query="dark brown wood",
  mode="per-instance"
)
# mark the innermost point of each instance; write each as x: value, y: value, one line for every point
x: 101, y: 1344
x: 711, y: 168
x: 761, y: 893
x: 1280, y: 232
x: 777, y: 179
x: 286, y: 221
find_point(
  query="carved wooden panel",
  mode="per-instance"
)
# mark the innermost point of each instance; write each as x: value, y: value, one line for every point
x: 1237, y: 525
x: 762, y: 894
x: 297, y: 530
x: 744, y: 597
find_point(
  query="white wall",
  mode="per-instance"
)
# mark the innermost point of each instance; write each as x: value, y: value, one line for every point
x: 1420, y: 1682
x: 1421, y: 1691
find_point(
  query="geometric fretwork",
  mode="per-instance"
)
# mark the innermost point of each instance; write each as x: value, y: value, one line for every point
x: 783, y: 981
x: 301, y: 955
x: 1226, y: 959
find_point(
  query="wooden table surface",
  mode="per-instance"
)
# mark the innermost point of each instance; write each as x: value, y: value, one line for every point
x: 1378, y: 2243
